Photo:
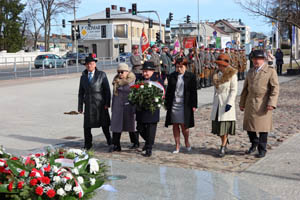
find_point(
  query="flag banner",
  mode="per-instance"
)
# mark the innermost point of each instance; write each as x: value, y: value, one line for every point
x: 144, y: 43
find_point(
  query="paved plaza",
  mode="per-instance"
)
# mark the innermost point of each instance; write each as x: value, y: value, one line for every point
x: 32, y: 117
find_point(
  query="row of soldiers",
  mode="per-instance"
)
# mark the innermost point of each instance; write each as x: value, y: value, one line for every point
x: 201, y: 62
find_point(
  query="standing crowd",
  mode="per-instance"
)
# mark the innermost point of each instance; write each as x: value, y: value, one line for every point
x: 181, y: 75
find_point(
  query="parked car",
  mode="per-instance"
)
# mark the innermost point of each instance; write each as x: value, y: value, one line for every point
x: 71, y: 57
x: 49, y: 61
x: 124, y: 56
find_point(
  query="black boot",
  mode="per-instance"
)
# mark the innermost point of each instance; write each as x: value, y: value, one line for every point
x: 134, y: 146
x: 222, y: 152
x: 148, y: 153
x: 252, y: 149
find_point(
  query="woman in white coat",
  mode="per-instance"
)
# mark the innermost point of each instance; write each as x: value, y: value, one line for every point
x: 223, y: 113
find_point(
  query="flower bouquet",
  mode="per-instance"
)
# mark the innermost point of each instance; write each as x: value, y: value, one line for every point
x: 147, y: 95
x: 56, y: 174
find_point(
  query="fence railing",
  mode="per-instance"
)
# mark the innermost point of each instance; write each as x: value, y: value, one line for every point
x: 25, y: 67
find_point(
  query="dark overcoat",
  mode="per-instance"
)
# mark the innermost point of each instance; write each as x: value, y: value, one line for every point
x: 190, y: 98
x: 122, y: 112
x: 146, y: 116
x: 279, y: 57
x: 95, y: 96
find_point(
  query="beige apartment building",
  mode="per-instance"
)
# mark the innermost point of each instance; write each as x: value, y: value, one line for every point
x: 107, y: 37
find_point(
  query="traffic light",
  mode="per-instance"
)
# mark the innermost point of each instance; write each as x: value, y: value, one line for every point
x: 77, y: 33
x: 64, y: 23
x: 89, y: 22
x: 188, y: 19
x: 168, y: 23
x: 73, y: 33
x: 170, y: 16
x: 150, y: 23
x: 134, y: 11
x: 158, y: 37
x: 107, y: 12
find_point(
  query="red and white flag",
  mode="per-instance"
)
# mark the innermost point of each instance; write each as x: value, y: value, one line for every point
x: 144, y: 42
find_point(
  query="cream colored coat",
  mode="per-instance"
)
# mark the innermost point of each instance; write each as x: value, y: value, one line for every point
x: 226, y: 87
x: 260, y: 90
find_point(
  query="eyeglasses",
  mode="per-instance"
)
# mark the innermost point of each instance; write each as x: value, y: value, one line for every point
x: 121, y: 72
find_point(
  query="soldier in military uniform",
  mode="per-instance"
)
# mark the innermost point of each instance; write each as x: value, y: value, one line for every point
x: 207, y: 66
x: 191, y: 61
x: 244, y: 64
x: 213, y: 65
x: 136, y: 62
x: 155, y: 58
x: 201, y: 66
x: 217, y: 53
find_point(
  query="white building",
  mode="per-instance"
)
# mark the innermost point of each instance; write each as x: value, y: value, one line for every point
x: 107, y: 37
x: 245, y: 31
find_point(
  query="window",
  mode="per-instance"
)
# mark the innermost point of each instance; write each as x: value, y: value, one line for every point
x: 137, y: 32
x: 103, y: 31
x: 121, y: 31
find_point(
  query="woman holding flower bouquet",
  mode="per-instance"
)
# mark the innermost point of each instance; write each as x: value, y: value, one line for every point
x: 123, y: 113
x: 181, y: 102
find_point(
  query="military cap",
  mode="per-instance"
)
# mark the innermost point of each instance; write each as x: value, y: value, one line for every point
x: 154, y: 46
x: 135, y: 47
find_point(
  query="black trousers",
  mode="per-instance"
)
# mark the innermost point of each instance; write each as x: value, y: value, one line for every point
x: 117, y: 138
x: 279, y: 69
x: 88, y: 137
x: 260, y: 142
x: 147, y: 132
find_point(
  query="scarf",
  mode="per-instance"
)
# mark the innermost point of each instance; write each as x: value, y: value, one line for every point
x: 117, y: 82
x: 226, y: 76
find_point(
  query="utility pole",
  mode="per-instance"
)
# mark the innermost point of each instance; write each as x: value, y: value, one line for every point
x: 198, y: 24
x: 75, y: 38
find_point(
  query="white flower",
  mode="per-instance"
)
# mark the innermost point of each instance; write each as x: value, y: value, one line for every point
x: 150, y: 85
x: 2, y: 163
x: 68, y: 187
x: 159, y: 105
x: 69, y: 175
x: 64, y: 180
x: 80, y: 179
x: 94, y: 167
x: 76, y: 189
x: 61, y: 192
x: 55, y: 169
x: 93, y: 181
x: 56, y: 179
x: 1, y: 152
x: 76, y: 151
x: 75, y: 171
x: 142, y: 86
x: 156, y: 99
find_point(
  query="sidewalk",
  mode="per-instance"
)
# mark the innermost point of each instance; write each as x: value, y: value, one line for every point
x: 32, y: 117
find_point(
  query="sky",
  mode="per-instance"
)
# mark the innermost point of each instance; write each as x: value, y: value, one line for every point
x: 208, y: 10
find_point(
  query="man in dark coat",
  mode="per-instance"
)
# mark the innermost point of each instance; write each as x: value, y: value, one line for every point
x: 146, y: 120
x: 94, y: 93
x: 251, y: 56
x: 279, y: 61
x: 166, y: 67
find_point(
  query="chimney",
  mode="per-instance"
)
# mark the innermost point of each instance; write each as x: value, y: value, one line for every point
x: 114, y: 7
x: 129, y: 10
x: 122, y: 9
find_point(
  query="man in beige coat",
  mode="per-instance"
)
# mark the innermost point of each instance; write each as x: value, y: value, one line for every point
x: 258, y: 99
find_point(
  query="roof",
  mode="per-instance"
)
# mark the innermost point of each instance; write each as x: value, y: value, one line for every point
x: 217, y: 29
x: 227, y: 24
x: 115, y: 14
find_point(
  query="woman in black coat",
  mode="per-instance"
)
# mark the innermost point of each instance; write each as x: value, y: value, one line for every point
x: 279, y: 61
x: 181, y: 102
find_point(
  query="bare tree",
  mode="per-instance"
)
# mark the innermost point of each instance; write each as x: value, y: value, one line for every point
x: 286, y: 12
x: 50, y: 9
x: 283, y: 11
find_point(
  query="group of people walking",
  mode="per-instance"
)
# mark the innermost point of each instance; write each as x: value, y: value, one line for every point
x: 258, y: 99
